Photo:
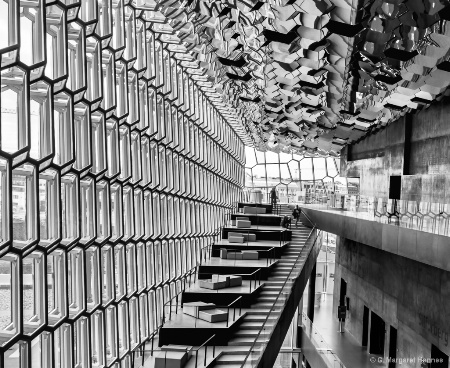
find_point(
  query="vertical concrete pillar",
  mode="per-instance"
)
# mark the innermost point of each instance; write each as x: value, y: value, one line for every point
x: 299, y: 324
x: 311, y: 293
x: 295, y: 330
x: 407, y: 145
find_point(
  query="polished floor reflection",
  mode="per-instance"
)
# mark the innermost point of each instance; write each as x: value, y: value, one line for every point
x: 344, y: 345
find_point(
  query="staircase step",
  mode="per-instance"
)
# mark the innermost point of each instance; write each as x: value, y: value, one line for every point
x: 290, y: 265
x: 288, y: 270
x: 246, y: 333
x: 298, y: 259
x: 266, y: 303
x: 254, y: 325
x: 271, y: 304
x: 242, y: 341
x: 259, y: 318
x: 269, y: 293
x: 278, y: 270
x: 228, y: 365
x: 288, y: 259
x: 268, y: 296
x: 238, y: 350
x: 281, y: 269
x: 271, y: 288
x: 267, y: 300
x: 261, y: 311
x: 228, y: 359
x: 276, y: 283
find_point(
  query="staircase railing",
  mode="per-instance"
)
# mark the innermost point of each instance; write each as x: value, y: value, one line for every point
x: 309, y: 219
x: 264, y: 334
x: 192, y: 351
x: 255, y: 277
x: 204, y: 345
x: 238, y: 299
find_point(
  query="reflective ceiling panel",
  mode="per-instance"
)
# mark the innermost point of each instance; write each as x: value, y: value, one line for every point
x: 314, y: 76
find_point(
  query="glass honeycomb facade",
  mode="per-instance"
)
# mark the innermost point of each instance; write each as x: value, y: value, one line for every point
x: 297, y: 178
x: 118, y: 164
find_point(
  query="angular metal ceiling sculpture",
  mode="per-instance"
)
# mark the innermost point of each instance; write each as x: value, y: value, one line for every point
x: 308, y: 75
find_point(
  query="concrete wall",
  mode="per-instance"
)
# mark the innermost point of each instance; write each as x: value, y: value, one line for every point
x: 427, y: 188
x: 430, y: 140
x: 404, y: 275
x: 408, y: 295
x: 375, y: 158
x: 416, y: 146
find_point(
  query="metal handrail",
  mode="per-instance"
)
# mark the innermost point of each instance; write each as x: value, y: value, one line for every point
x: 183, y: 280
x: 309, y: 219
x: 170, y: 301
x: 192, y: 349
x: 234, y: 309
x: 269, y: 251
x: 281, y: 238
x: 228, y: 309
x: 206, y: 350
x: 278, y: 296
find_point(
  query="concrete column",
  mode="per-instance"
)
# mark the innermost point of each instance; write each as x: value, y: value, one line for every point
x: 295, y: 331
x: 299, y: 324
x: 311, y: 293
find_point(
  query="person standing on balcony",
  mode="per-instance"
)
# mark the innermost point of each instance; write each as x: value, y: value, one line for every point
x: 273, y: 197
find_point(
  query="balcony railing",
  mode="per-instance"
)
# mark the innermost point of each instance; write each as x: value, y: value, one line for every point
x: 424, y: 216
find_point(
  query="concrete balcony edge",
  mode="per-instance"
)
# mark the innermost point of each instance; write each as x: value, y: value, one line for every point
x: 420, y: 246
